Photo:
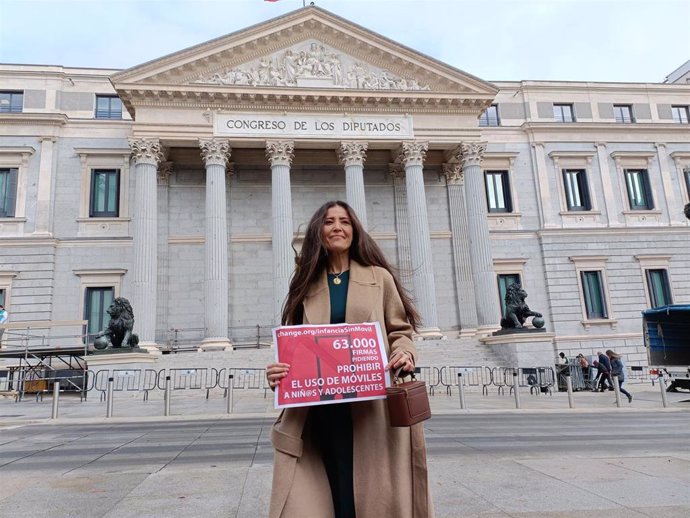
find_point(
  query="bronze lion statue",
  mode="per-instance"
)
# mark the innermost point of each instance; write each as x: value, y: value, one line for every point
x: 517, y: 309
x: 119, y: 330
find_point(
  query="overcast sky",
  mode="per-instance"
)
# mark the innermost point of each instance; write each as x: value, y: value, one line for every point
x: 578, y: 40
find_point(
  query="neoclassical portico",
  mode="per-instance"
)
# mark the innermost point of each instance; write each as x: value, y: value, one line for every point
x: 303, y: 87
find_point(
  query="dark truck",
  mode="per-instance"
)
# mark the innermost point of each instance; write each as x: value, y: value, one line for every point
x: 667, y: 338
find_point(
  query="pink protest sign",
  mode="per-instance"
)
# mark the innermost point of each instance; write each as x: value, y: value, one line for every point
x: 335, y: 363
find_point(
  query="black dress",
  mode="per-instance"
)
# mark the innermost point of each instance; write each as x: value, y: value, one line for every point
x: 331, y: 425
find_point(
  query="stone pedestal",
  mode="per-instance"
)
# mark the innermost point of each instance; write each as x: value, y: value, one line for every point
x: 528, y: 348
x: 101, y: 360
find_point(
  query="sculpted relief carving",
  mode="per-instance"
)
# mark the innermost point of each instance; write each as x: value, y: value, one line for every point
x: 312, y: 65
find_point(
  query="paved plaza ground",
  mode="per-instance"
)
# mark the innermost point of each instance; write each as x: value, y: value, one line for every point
x: 488, y: 461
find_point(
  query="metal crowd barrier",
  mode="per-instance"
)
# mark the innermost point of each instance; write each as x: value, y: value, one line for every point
x: 430, y: 375
x: 70, y: 381
x: 472, y: 376
x: 502, y: 377
x: 205, y: 378
x: 537, y: 379
x: 243, y: 378
x: 126, y: 380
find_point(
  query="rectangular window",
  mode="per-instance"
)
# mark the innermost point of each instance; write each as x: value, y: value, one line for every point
x: 593, y: 289
x: 639, y: 190
x: 686, y: 172
x: 2, y: 297
x: 108, y: 107
x: 105, y: 193
x: 576, y: 190
x: 623, y: 113
x: 680, y: 114
x: 97, y: 302
x: 490, y: 116
x: 11, y: 102
x: 505, y: 280
x: 498, y: 191
x: 659, y: 288
x: 563, y: 113
x: 8, y: 192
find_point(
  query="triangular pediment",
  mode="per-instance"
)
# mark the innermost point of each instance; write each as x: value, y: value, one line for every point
x: 307, y: 50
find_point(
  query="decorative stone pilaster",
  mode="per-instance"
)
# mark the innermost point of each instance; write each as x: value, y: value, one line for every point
x: 280, y: 154
x: 146, y: 155
x: 45, y: 181
x: 488, y: 312
x: 674, y: 204
x: 165, y: 171
x: 215, y: 153
x: 464, y: 284
x: 402, y: 228
x: 411, y: 155
x: 352, y: 155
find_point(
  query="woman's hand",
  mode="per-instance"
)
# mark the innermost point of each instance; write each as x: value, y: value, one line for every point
x: 275, y: 372
x: 401, y: 359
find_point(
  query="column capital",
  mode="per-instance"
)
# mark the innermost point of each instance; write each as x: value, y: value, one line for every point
x: 146, y: 150
x: 412, y: 153
x: 280, y: 152
x: 215, y: 151
x: 165, y: 169
x: 453, y: 173
x: 352, y: 152
x: 472, y: 153
x: 396, y: 170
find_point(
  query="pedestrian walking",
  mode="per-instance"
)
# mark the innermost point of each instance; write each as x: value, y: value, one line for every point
x: 618, y: 369
x: 605, y: 381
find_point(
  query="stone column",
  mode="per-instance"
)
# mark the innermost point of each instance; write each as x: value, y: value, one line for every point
x: 411, y: 155
x: 488, y: 311
x: 280, y: 154
x: 215, y: 153
x: 45, y: 186
x: 352, y: 155
x: 464, y: 284
x: 147, y: 155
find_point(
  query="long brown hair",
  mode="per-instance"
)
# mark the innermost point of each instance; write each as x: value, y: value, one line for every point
x: 312, y: 260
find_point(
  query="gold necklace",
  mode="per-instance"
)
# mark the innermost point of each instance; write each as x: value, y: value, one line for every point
x: 336, y: 279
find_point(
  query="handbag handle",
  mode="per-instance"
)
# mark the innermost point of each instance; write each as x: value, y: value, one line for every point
x: 396, y: 375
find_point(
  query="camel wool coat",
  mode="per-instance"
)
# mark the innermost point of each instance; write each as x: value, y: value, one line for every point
x: 390, y: 471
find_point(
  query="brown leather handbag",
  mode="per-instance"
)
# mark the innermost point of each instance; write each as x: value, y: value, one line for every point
x: 408, y: 402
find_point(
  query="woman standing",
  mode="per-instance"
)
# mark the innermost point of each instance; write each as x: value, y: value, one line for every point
x: 345, y: 460
x: 618, y: 369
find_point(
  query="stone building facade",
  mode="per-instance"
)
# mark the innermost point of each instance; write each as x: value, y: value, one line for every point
x: 182, y: 183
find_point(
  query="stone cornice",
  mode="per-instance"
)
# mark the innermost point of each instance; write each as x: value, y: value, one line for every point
x: 609, y: 127
x: 283, y: 98
x: 34, y: 119
x: 102, y: 151
x: 17, y: 150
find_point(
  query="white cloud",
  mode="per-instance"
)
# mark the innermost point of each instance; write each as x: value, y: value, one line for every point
x: 607, y: 40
